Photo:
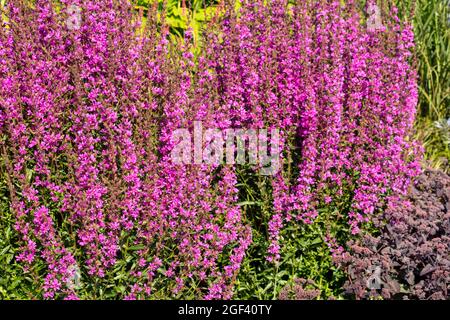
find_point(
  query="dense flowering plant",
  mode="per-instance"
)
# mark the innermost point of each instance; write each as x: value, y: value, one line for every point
x: 90, y: 96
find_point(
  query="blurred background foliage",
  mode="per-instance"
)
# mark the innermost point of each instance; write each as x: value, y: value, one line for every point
x: 432, y: 29
x: 181, y: 14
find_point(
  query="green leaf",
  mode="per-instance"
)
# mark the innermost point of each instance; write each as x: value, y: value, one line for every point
x: 136, y: 247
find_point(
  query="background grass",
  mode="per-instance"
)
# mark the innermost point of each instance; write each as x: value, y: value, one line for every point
x: 432, y: 29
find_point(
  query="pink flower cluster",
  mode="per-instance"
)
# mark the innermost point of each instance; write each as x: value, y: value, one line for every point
x: 86, y: 117
x: 344, y: 95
